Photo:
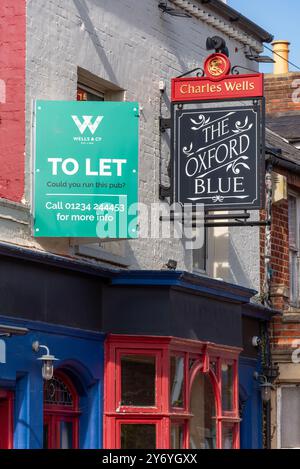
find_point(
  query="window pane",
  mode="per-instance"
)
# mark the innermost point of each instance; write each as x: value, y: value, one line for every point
x: 227, y: 386
x: 66, y: 435
x: 177, y: 432
x: 200, y: 255
x: 138, y: 436
x: 293, y: 277
x: 290, y: 417
x: 292, y: 221
x: 138, y: 380
x: 202, y: 405
x: 176, y: 381
x: 227, y: 436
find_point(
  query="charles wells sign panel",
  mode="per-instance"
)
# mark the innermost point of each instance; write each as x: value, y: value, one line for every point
x: 86, y: 169
x: 217, y: 138
x: 217, y: 157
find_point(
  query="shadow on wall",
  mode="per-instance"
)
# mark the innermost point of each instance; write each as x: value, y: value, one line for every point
x: 141, y: 15
x: 83, y: 12
x: 228, y: 264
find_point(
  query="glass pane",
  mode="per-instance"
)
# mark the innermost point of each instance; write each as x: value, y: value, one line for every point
x: 200, y: 255
x: 290, y: 417
x: 45, y: 436
x: 176, y: 381
x: 292, y: 221
x: 138, y: 380
x: 138, y: 436
x: 66, y: 435
x: 202, y: 405
x: 293, y: 276
x: 227, y: 436
x: 227, y: 386
x: 177, y: 432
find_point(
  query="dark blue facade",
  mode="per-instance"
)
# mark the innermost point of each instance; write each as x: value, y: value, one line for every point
x: 80, y: 356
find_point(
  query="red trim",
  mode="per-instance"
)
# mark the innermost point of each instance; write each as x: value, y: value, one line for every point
x: 225, y: 66
x: 158, y: 381
x: 228, y: 87
x: 55, y: 414
x: 163, y: 414
x: 6, y: 419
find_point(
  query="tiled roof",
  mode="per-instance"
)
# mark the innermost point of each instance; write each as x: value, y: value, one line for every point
x: 288, y: 152
x: 286, y: 125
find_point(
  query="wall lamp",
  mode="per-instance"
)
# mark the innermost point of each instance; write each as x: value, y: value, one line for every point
x: 218, y: 44
x: 265, y: 386
x: 47, y: 359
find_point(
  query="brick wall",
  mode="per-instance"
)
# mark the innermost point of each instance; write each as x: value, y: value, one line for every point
x: 12, y: 98
x: 282, y: 95
x: 282, y: 92
x: 283, y: 332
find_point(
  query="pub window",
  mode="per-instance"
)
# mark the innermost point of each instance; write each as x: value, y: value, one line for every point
x: 289, y: 416
x: 177, y: 381
x: 200, y: 256
x: 294, y: 247
x: 203, y: 410
x: 168, y: 398
x: 227, y: 386
x: 138, y: 380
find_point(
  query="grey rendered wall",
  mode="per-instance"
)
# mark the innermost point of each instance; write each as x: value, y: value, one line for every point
x: 129, y: 43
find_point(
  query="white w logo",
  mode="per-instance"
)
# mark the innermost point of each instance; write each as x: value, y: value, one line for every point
x: 87, y: 123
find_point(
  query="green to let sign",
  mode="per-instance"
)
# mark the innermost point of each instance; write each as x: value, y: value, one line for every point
x: 86, y: 169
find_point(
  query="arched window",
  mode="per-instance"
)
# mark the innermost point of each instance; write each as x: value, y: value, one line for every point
x: 61, y: 413
x: 203, y: 410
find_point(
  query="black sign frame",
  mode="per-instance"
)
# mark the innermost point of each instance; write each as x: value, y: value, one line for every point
x: 258, y: 105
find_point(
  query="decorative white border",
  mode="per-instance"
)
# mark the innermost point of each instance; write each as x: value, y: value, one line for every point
x: 178, y: 155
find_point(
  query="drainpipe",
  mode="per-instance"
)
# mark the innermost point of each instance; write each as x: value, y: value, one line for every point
x: 266, y: 290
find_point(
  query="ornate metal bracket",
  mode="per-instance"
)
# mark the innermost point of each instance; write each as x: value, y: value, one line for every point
x: 199, y: 74
x: 164, y: 191
x: 164, y: 124
x: 235, y: 71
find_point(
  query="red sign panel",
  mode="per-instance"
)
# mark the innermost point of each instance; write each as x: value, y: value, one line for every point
x: 230, y: 87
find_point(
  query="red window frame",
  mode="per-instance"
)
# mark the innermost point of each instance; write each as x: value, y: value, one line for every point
x: 141, y: 421
x: 6, y: 419
x: 164, y: 348
x: 55, y: 414
x: 158, y: 394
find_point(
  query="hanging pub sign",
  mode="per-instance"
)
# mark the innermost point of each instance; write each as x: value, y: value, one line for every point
x: 217, y: 138
x: 86, y: 169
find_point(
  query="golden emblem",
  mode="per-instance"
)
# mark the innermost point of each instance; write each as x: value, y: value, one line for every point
x: 216, y: 66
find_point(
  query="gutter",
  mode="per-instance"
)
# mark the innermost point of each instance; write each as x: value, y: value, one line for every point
x: 235, y: 17
x: 273, y: 157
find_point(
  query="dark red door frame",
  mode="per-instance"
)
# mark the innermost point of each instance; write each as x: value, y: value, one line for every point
x: 55, y: 414
x: 6, y: 419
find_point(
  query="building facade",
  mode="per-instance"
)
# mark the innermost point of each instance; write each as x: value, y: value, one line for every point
x: 181, y: 334
x: 283, y: 122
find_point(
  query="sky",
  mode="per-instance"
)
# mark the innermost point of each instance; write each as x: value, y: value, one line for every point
x: 278, y: 17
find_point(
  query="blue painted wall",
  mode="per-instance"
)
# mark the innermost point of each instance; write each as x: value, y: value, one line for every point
x: 251, y: 424
x: 80, y: 354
